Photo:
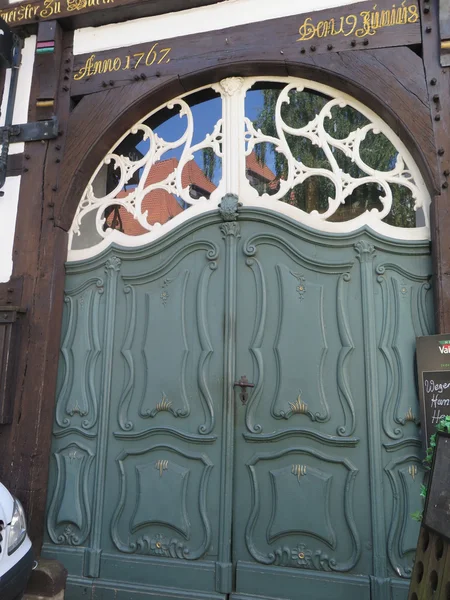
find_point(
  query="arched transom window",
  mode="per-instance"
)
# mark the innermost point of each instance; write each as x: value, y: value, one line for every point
x: 291, y: 145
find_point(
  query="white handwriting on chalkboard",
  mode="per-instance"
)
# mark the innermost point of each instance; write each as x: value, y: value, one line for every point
x: 437, y: 416
x: 431, y: 386
x: 436, y: 401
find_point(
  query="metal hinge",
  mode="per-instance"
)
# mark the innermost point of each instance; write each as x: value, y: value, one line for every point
x: 8, y: 313
x: 31, y: 132
x: 28, y: 132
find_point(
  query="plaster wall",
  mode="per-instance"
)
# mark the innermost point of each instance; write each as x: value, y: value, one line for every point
x: 197, y: 20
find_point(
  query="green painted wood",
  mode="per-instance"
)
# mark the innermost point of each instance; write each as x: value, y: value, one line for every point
x: 162, y: 484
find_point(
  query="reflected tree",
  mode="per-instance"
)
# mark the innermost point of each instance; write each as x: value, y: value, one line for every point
x: 376, y: 151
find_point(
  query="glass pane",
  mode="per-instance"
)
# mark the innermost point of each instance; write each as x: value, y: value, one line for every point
x: 147, y: 173
x: 306, y: 149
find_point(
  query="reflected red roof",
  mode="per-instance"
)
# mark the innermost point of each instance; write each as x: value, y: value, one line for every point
x: 163, y: 206
x: 261, y: 170
x: 160, y: 204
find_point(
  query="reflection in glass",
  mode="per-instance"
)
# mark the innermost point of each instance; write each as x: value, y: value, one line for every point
x: 172, y: 157
x: 296, y: 129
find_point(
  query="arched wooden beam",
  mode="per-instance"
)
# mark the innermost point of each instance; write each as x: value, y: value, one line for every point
x: 391, y: 83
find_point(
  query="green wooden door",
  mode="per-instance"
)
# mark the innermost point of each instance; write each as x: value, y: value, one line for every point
x: 163, y: 484
x: 327, y: 469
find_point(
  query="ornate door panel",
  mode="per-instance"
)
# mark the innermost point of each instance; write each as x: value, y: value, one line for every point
x: 404, y: 310
x: 136, y: 476
x: 327, y: 448
x: 162, y: 479
x: 302, y: 475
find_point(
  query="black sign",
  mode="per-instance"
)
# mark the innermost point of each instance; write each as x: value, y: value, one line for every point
x: 6, y: 44
x: 436, y: 515
x: 433, y: 366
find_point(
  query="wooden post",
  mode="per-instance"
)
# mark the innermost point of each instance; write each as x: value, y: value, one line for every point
x: 39, y: 254
x: 438, y: 83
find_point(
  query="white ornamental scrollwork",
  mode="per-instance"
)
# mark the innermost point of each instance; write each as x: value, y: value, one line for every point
x: 233, y: 139
x: 344, y: 184
x: 127, y: 168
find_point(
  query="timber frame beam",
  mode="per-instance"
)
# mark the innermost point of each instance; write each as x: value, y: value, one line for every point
x: 438, y: 85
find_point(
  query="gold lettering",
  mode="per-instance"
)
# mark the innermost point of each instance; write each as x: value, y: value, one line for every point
x: 322, y: 29
x: 95, y: 68
x: 306, y: 31
x: 21, y: 13
x: 12, y: 16
x: 402, y: 14
x: 375, y: 19
x: 48, y: 9
x: 333, y: 30
x: 385, y: 20
x: 127, y: 66
x: 366, y: 28
x: 366, y: 23
x: 353, y: 21
x: 76, y: 4
x: 164, y: 52
x: 151, y: 53
x: 106, y: 66
x: 393, y: 15
x: 86, y: 69
x: 413, y: 14
x: 141, y: 56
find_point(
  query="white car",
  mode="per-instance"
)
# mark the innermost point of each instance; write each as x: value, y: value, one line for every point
x: 16, y: 554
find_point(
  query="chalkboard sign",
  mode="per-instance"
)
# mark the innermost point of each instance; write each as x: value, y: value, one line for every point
x: 436, y: 515
x: 433, y: 370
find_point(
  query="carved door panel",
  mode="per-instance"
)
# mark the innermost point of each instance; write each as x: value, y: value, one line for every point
x: 404, y: 310
x: 327, y: 446
x: 135, y: 476
x: 162, y: 480
x: 302, y: 511
x: 165, y: 426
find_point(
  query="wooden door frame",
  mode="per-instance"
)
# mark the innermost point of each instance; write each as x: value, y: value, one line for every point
x: 392, y: 84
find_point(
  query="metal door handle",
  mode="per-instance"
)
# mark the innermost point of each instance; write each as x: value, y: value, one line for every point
x: 244, y: 383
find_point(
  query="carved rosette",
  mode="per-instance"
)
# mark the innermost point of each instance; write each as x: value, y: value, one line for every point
x: 228, y: 208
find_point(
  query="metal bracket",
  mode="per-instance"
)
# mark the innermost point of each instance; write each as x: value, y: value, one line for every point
x: 28, y: 132
x: 8, y: 313
x: 32, y: 132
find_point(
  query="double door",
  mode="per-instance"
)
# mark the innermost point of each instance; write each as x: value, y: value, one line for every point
x: 168, y: 479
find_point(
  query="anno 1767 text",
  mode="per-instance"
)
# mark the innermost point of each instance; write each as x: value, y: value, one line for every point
x: 94, y: 66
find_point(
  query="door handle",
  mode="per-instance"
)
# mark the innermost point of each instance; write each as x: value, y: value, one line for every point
x: 244, y: 383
